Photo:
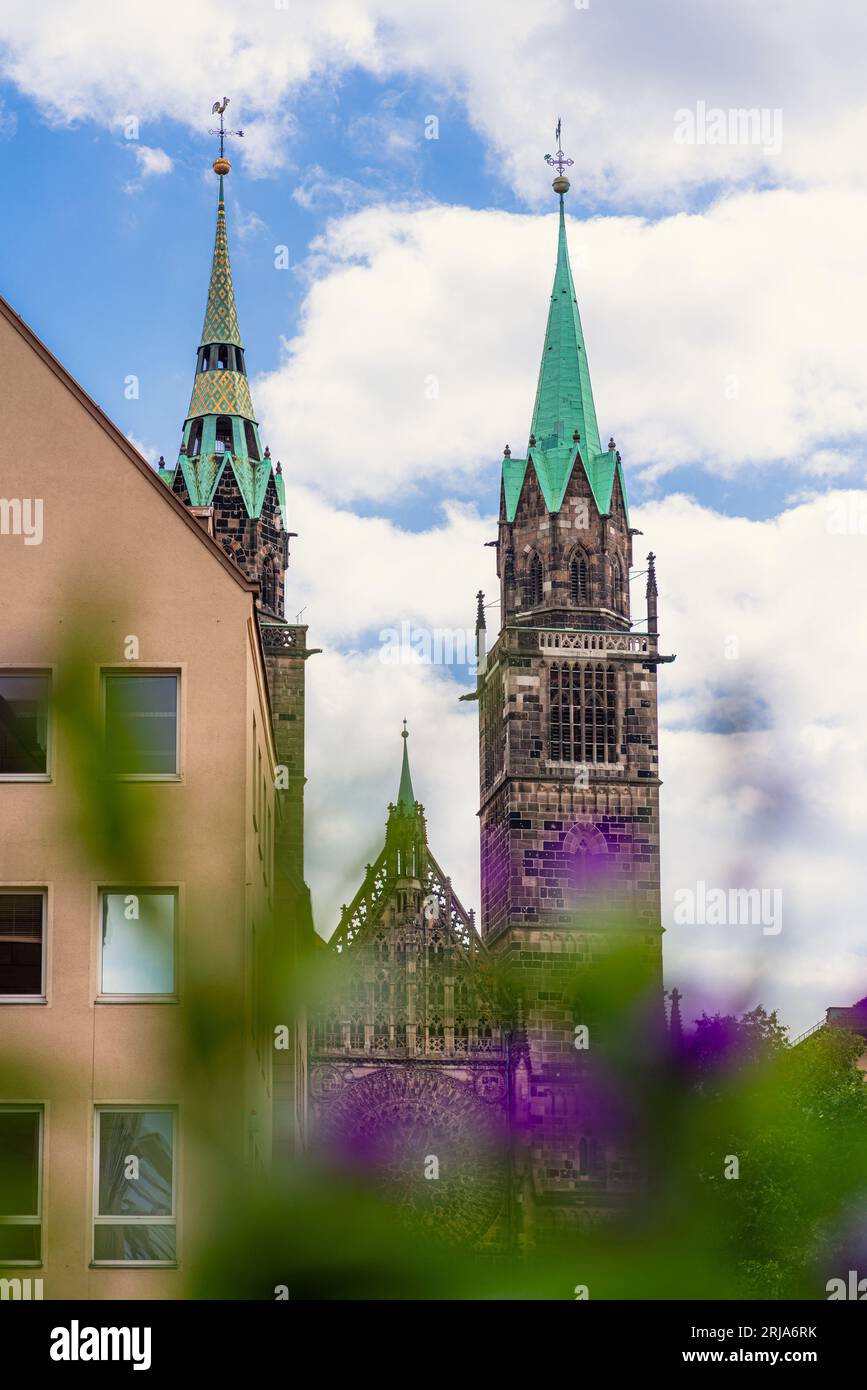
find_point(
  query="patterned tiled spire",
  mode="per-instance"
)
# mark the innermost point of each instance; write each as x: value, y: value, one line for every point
x: 221, y: 316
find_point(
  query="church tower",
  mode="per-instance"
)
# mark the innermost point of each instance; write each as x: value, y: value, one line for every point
x: 567, y: 697
x: 222, y: 473
x: 227, y: 480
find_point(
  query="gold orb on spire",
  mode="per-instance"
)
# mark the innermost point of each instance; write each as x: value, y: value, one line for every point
x: 221, y: 165
x: 561, y: 184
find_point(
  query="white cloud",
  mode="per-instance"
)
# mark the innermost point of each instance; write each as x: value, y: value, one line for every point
x: 151, y: 162
x: 638, y: 63
x: 713, y: 339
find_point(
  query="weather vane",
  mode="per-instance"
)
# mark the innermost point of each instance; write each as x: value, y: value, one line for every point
x: 218, y: 109
x: 557, y: 161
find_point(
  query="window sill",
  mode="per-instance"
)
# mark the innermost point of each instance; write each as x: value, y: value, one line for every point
x: 23, y: 998
x: 134, y: 1264
x: 137, y: 999
x: 26, y: 777
x: 144, y: 777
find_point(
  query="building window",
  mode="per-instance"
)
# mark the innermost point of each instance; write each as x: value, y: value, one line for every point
x: 252, y: 446
x: 534, y: 582
x: 617, y: 582
x: 22, y: 934
x: 582, y: 713
x: 24, y: 699
x: 20, y: 1184
x: 269, y: 586
x: 194, y: 443
x: 578, y: 589
x: 141, y: 724
x: 135, y: 1179
x: 138, y: 947
x: 224, y: 435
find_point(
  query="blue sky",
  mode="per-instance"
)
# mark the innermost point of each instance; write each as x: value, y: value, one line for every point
x: 723, y: 295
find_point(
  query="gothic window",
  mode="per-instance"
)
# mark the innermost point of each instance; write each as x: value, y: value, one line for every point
x: 534, y: 582
x: 578, y: 587
x: 269, y: 586
x: 582, y: 713
x: 380, y: 1032
x: 436, y: 1034
x: 252, y: 446
x: 356, y: 1033
x: 331, y: 1032
x: 618, y: 586
x: 224, y: 434
x: 194, y: 443
x: 583, y: 1156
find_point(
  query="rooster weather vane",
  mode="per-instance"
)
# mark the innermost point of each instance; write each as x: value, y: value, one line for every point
x: 218, y: 109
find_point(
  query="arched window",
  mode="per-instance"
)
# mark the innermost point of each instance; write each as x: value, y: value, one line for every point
x: 194, y: 444
x: 617, y: 586
x: 535, y: 581
x: 269, y: 586
x: 224, y: 434
x: 252, y: 446
x: 356, y: 1033
x: 221, y: 357
x: 578, y: 586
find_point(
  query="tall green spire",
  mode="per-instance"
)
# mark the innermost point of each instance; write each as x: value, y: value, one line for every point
x: 406, y: 795
x: 564, y: 432
x: 564, y: 396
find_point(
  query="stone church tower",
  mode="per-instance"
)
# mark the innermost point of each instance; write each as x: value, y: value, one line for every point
x: 229, y: 483
x: 569, y: 811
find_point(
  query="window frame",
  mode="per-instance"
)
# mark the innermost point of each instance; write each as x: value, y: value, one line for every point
x: 130, y: 672
x: 126, y: 1108
x: 34, y: 890
x: 174, y: 889
x: 49, y: 673
x: 38, y: 1108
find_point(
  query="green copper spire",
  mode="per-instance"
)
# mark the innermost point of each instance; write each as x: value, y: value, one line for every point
x: 406, y: 795
x: 564, y: 396
x: 564, y: 429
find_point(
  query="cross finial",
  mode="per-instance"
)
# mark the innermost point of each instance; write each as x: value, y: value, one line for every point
x: 560, y: 162
x: 221, y: 164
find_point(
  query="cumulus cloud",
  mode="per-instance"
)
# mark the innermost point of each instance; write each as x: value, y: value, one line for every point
x: 152, y: 162
x: 639, y: 65
x: 712, y: 340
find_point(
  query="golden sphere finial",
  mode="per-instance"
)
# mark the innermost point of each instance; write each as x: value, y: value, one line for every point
x: 221, y: 166
x: 561, y: 185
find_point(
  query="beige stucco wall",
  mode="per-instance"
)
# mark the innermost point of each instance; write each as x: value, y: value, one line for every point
x: 118, y: 559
